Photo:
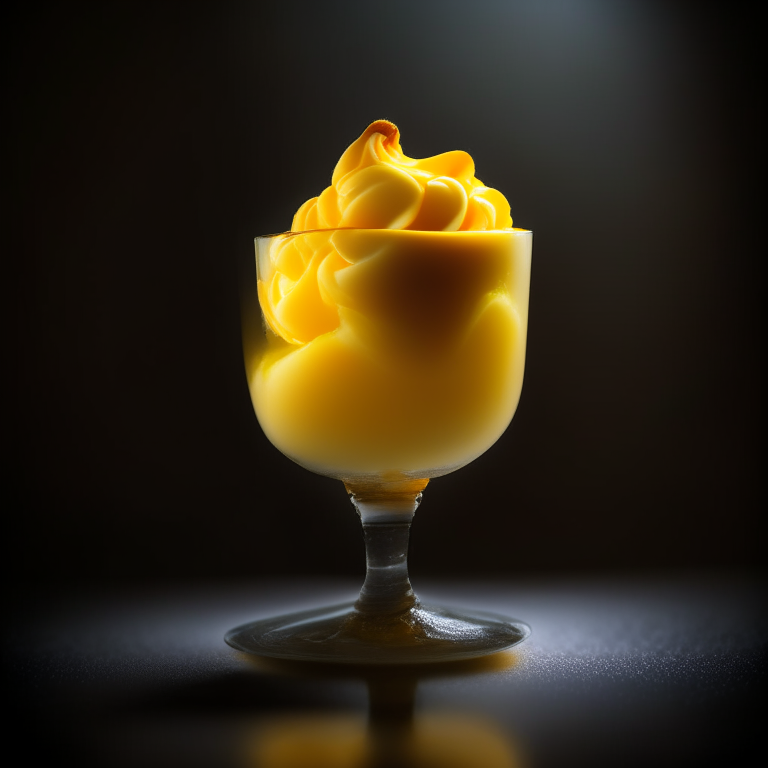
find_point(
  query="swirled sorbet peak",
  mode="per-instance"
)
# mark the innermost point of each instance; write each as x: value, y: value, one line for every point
x: 376, y: 186
x: 396, y: 313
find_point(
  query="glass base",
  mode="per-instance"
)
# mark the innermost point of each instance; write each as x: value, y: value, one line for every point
x: 342, y: 634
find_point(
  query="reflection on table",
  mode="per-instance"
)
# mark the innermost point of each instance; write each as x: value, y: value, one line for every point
x: 394, y: 733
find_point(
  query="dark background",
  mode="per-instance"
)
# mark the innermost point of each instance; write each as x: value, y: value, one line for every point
x: 149, y: 144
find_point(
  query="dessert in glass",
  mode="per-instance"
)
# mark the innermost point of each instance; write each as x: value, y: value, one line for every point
x: 389, y: 350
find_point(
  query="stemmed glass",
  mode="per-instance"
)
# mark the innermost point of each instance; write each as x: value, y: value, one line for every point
x: 385, y: 358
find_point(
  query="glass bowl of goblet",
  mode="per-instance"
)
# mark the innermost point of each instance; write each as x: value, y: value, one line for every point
x: 384, y: 359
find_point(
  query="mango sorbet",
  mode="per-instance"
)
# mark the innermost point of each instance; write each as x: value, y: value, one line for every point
x: 396, y: 313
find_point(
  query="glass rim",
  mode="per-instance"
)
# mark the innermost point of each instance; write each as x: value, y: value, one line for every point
x: 517, y: 231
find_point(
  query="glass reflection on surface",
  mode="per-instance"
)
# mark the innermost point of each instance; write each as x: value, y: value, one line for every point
x: 432, y: 740
x: 396, y: 733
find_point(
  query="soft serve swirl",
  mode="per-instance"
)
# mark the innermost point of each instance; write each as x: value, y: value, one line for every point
x: 374, y: 186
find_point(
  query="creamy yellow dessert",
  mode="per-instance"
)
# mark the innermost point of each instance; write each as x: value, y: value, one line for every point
x: 395, y: 313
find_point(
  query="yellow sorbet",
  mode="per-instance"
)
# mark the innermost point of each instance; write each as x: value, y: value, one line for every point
x: 395, y: 314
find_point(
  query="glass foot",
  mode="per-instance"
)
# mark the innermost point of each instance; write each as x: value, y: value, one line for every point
x: 342, y: 634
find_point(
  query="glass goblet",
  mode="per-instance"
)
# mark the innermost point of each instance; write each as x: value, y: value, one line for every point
x: 385, y: 358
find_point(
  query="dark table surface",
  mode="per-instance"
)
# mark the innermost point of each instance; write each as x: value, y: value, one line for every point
x: 662, y: 671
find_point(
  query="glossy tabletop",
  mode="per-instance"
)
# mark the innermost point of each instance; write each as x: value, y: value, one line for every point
x: 662, y: 671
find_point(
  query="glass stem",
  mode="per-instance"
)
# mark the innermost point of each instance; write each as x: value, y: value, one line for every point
x: 386, y: 512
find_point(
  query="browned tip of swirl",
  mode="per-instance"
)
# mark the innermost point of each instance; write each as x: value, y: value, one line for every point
x: 350, y: 160
x: 385, y: 127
